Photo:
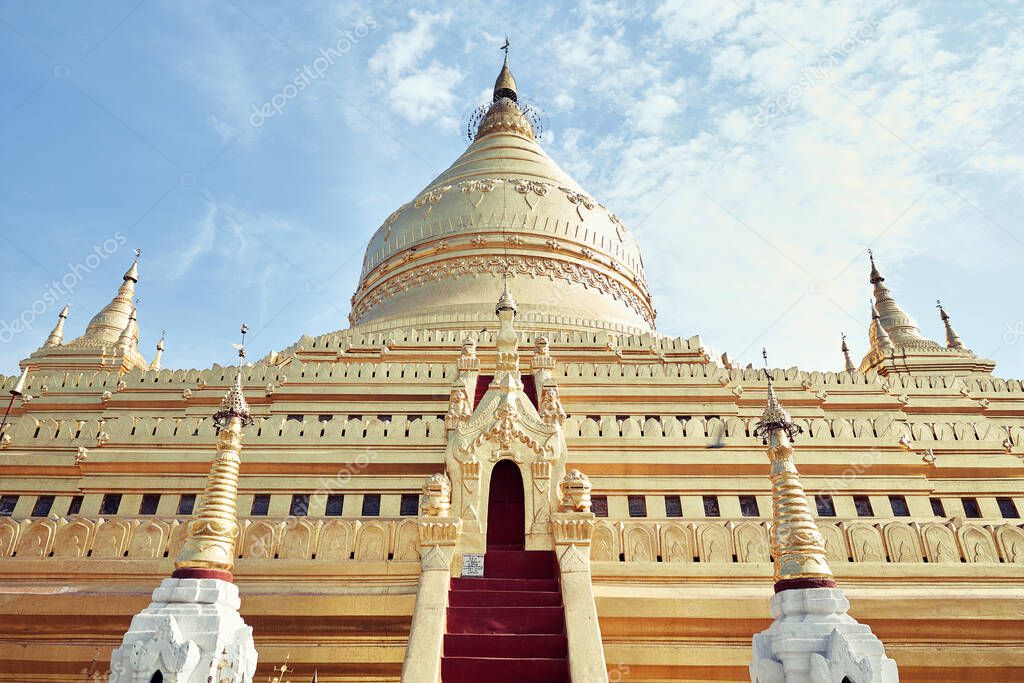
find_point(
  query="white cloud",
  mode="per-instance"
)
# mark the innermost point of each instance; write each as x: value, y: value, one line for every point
x: 417, y: 92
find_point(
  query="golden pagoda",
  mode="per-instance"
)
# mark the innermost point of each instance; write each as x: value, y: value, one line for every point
x: 545, y: 488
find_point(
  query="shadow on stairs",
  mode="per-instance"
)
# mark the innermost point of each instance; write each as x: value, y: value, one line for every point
x: 508, y: 625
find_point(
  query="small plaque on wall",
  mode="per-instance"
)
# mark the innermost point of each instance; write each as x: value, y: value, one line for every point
x: 472, y: 565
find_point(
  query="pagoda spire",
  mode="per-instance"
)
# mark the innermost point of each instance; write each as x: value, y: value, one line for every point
x: 107, y: 325
x: 812, y: 638
x: 504, y: 114
x: 900, y: 326
x: 210, y: 544
x: 850, y: 367
x: 125, y: 342
x: 797, y: 546
x: 505, y: 84
x: 953, y: 340
x: 195, y: 611
x: 158, y: 358
x: 880, y: 340
x: 56, y: 337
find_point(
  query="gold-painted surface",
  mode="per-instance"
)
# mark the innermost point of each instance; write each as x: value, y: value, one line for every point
x: 213, y: 531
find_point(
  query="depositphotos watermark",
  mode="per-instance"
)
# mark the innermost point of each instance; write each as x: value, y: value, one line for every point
x: 61, y: 290
x: 313, y: 71
x: 815, y: 73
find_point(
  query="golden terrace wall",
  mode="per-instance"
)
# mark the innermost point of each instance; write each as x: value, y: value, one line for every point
x: 378, y: 539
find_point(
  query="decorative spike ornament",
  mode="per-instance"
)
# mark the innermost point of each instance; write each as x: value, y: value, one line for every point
x: 813, y: 638
x: 213, y: 531
x: 880, y: 340
x: 107, y: 325
x: 847, y: 361
x: 952, y: 338
x: 158, y: 358
x: 897, y: 324
x: 56, y: 337
x: 797, y: 546
x: 194, y: 614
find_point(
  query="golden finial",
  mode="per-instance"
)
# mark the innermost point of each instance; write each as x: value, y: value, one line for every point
x: 133, y: 270
x: 505, y: 84
x: 212, y: 533
x: 875, y: 276
x: 124, y: 342
x: 880, y: 340
x: 158, y: 358
x: 797, y: 546
x: 850, y: 367
x: 953, y: 340
x: 56, y: 337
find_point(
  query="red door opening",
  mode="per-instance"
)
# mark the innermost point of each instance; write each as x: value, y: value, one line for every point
x: 506, y: 516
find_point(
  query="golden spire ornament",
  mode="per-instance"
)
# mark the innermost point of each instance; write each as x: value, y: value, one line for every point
x: 850, y: 367
x: 953, y: 340
x: 158, y: 358
x: 797, y: 546
x: 209, y: 550
x: 56, y: 337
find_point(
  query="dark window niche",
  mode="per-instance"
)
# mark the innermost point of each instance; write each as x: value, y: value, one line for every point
x: 410, y: 506
x: 186, y: 504
x: 711, y: 508
x: 150, y: 502
x: 863, y: 506
x: 637, y: 506
x: 825, y: 505
x: 371, y: 505
x: 260, y: 505
x: 43, y: 506
x: 673, y: 506
x: 335, y: 504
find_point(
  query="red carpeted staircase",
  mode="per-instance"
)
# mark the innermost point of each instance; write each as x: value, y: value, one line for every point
x: 509, y: 625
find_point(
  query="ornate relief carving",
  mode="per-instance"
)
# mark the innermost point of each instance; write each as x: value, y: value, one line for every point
x: 8, y: 536
x: 517, y: 265
x: 430, y: 199
x: 528, y: 187
x: 371, y: 542
x: 335, y: 537
x: 677, y: 544
x: 581, y: 201
x: 940, y: 543
x: 604, y: 546
x: 574, y: 492
x: 149, y: 539
x: 435, y: 496
x: 459, y: 410
x: 471, y: 187
x: 977, y: 544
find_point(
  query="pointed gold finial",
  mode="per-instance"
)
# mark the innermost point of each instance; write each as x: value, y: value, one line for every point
x: 505, y: 84
x: 900, y: 326
x: 124, y: 341
x: 880, y: 340
x: 158, y: 358
x: 56, y: 337
x: 850, y: 367
x: 106, y: 326
x: 209, y: 549
x: 875, y: 276
x: 953, y: 340
x: 798, y: 548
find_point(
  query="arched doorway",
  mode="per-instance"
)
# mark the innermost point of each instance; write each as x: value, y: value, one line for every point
x: 506, y: 516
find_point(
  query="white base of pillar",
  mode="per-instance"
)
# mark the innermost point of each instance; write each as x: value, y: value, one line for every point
x: 190, y: 633
x: 814, y: 640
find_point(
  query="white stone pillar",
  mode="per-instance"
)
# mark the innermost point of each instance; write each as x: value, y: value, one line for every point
x: 439, y: 535
x: 573, y: 531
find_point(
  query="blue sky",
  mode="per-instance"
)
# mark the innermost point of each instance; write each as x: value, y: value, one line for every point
x: 756, y: 150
